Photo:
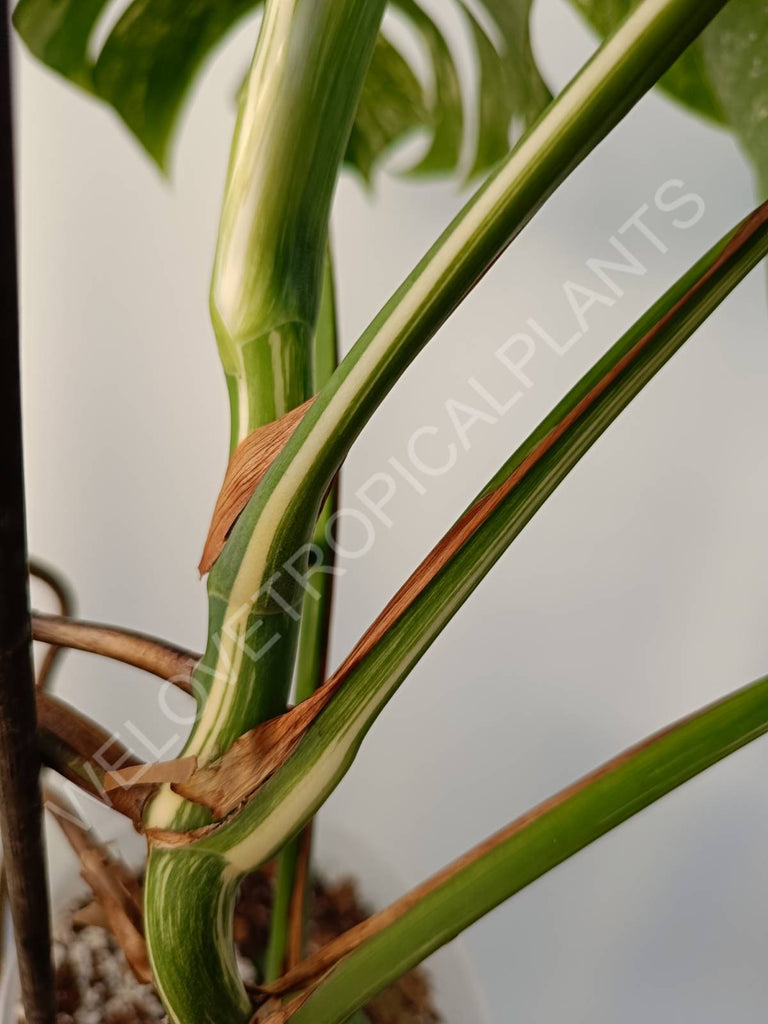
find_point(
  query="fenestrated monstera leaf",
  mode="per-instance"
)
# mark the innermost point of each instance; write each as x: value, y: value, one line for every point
x: 723, y: 75
x: 392, y: 105
x: 147, y: 63
x: 152, y: 55
x: 511, y: 90
x: 447, y: 112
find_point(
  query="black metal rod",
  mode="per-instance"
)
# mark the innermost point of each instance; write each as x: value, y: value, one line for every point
x: 21, y: 809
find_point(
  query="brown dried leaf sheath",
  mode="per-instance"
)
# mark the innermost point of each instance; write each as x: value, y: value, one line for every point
x: 272, y: 1012
x: 250, y: 760
x: 250, y: 461
x: 180, y: 770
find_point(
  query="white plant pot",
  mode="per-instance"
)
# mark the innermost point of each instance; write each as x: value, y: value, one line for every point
x: 338, y: 855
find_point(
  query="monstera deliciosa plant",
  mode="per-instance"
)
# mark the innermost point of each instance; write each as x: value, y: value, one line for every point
x: 328, y: 86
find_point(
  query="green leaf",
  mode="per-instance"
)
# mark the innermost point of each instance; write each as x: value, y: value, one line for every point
x: 148, y: 62
x: 446, y: 111
x: 151, y: 58
x: 493, y: 126
x: 513, y: 19
x: 392, y: 106
x: 153, y: 54
x: 512, y: 92
x: 58, y: 33
x: 735, y: 51
x: 723, y: 75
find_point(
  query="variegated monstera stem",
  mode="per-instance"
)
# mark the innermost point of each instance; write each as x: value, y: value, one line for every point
x: 295, y: 117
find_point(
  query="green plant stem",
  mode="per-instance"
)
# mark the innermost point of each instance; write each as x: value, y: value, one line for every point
x: 294, y: 123
x: 530, y: 847
x: 312, y: 660
x: 311, y: 671
x: 281, y: 903
x: 296, y: 113
x: 311, y: 665
x: 249, y: 586
x: 314, y: 632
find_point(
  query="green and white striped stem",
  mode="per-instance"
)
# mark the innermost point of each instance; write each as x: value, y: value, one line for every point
x: 296, y: 113
x: 189, y: 902
x: 295, y: 117
x: 312, y: 659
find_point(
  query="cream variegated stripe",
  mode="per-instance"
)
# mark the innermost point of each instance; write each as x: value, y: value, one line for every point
x: 202, y: 742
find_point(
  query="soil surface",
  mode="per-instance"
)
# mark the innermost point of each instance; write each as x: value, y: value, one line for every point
x: 95, y: 986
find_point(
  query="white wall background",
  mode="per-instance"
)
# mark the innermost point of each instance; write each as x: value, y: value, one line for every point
x: 638, y: 594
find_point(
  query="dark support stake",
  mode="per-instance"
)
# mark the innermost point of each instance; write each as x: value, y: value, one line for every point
x: 21, y: 816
